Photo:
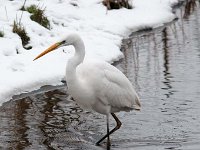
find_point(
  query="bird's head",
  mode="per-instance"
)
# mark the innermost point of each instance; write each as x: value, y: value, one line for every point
x: 71, y: 39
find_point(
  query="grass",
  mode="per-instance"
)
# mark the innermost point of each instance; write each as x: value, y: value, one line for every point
x: 1, y: 34
x: 32, y: 9
x: 38, y: 16
x: 20, y: 30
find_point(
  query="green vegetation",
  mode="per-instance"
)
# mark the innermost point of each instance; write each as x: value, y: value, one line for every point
x: 32, y: 9
x: 20, y: 30
x: 1, y: 34
x: 38, y: 16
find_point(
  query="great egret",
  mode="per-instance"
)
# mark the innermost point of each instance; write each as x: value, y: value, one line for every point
x: 96, y: 85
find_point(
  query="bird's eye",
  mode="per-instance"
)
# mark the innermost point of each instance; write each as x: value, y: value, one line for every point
x: 63, y: 42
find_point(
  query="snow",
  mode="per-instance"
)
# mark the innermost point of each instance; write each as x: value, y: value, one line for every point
x: 101, y: 30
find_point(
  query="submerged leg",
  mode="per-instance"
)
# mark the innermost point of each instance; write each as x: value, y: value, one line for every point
x: 113, y: 130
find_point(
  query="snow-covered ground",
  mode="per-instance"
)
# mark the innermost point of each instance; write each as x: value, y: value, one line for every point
x: 101, y: 30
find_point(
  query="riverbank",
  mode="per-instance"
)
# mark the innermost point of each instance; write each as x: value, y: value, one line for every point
x: 101, y: 30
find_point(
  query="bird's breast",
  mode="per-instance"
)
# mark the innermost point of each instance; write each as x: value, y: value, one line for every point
x: 83, y: 97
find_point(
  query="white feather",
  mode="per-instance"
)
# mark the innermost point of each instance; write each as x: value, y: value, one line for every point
x: 97, y: 85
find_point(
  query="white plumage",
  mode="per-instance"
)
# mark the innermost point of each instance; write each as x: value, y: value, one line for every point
x: 101, y: 84
x: 97, y: 85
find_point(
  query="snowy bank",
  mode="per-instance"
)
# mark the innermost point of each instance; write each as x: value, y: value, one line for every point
x: 101, y: 30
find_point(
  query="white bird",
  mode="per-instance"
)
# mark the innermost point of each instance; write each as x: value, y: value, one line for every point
x: 96, y: 85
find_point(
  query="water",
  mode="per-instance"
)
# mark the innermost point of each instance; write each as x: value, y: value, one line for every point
x: 162, y: 64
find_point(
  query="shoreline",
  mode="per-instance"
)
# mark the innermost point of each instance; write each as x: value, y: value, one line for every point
x: 47, y: 88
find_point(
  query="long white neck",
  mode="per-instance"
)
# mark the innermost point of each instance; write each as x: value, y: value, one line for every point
x: 75, y: 60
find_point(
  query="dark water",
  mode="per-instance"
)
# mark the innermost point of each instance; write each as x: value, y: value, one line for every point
x: 164, y: 67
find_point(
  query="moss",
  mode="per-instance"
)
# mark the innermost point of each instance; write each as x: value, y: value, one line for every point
x: 38, y: 16
x: 20, y: 30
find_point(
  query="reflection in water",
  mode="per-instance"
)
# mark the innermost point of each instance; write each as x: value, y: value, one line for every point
x: 162, y: 64
x: 130, y: 61
x: 189, y: 8
x: 21, y: 121
x: 51, y: 112
x: 56, y: 120
x: 167, y: 74
x: 37, y: 122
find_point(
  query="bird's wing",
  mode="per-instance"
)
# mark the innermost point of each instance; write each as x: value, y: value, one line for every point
x: 110, y: 85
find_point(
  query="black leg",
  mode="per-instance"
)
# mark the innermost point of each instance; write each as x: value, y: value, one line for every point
x: 108, y: 138
x: 113, y: 130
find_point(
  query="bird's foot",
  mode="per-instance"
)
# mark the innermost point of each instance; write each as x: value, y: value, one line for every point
x: 97, y: 144
x: 108, y: 144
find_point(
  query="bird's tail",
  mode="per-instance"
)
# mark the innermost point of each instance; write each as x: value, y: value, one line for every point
x: 137, y: 105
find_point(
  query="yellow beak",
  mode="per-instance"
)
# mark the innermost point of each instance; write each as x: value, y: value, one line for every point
x: 51, y: 48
